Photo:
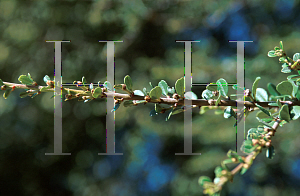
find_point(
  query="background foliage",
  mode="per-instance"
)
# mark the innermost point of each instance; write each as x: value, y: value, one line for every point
x: 149, y: 53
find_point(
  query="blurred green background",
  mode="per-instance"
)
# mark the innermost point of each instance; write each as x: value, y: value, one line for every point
x: 148, y: 53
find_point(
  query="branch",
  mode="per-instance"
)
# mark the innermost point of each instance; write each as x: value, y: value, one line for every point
x: 164, y: 100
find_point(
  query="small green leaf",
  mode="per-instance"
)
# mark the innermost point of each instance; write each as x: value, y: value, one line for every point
x: 29, y: 76
x: 271, y: 53
x: 7, y: 93
x: 171, y: 90
x: 218, y: 100
x: 281, y: 45
x: 128, y: 82
x: 155, y: 93
x: 263, y: 122
x: 108, y: 85
x: 177, y: 111
x: 212, y: 87
x: 270, y: 153
x: 25, y: 80
x: 97, y: 92
x: 117, y: 105
x: 296, y: 56
x: 138, y: 92
x: 190, y: 95
x: 254, y: 87
x: 158, y: 108
x: 24, y: 94
x: 150, y: 84
x: 204, y: 179
x: 1, y: 82
x: 145, y: 91
x: 228, y: 112
x: 222, y: 87
x: 46, y: 78
x: 207, y: 94
x: 164, y: 87
x: 285, y: 88
x: 170, y: 114
x: 281, y: 59
x: 243, y: 170
x: 295, y: 112
x: 284, y: 113
x: 83, y: 79
x: 261, y: 95
x: 179, y: 86
x: 286, y: 70
x: 272, y: 89
x: 218, y: 171
x: 153, y: 113
x: 263, y: 109
x: 279, y: 103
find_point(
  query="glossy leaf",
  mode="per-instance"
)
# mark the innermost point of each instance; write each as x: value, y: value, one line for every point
x: 296, y: 56
x: 190, y: 95
x: 261, y: 95
x: 263, y: 122
x: 295, y: 112
x: 83, y: 79
x: 254, y: 87
x: 164, y: 87
x: 108, y: 85
x: 25, y: 80
x: 170, y: 114
x: 286, y: 70
x: 117, y: 105
x: 145, y: 91
x: 284, y: 113
x: 46, y: 78
x: 97, y: 92
x: 270, y: 153
x: 153, y: 113
x: 6, y: 93
x: 155, y: 93
x: 222, y: 87
x: 243, y: 170
x: 263, y: 109
x: 281, y: 45
x: 228, y: 112
x: 177, y: 111
x: 128, y: 82
x: 207, y: 94
x: 91, y: 86
x: 24, y: 94
x: 158, y: 108
x: 272, y: 89
x: 138, y: 92
x: 179, y: 86
x: 204, y: 179
x: 285, y: 88
x: 271, y: 53
x: 171, y: 90
x: 218, y: 100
